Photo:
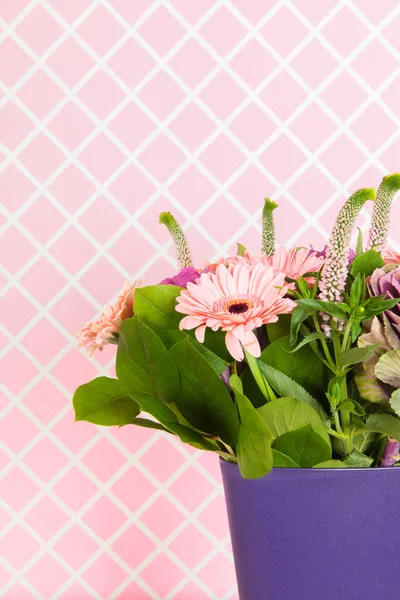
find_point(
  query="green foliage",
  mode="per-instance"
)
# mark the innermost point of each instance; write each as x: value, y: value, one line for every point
x: 304, y: 446
x: 383, y: 423
x: 395, y: 402
x: 330, y: 464
x: 204, y: 399
x: 285, y: 386
x: 287, y: 414
x: 143, y: 364
x: 253, y: 449
x: 356, y: 355
x: 304, y: 366
x: 366, y: 263
x: 240, y: 249
x: 282, y: 460
x: 104, y: 401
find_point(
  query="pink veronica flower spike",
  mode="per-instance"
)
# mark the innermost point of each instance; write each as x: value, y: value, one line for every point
x: 236, y: 299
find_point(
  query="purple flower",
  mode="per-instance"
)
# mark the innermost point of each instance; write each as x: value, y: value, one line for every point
x: 386, y: 282
x: 187, y: 275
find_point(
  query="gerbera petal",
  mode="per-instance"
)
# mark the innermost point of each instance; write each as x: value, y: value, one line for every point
x: 250, y: 342
x: 200, y: 333
x: 234, y: 347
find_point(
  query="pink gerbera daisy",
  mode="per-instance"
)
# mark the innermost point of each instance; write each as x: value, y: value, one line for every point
x: 296, y: 262
x: 96, y: 334
x: 237, y: 299
x: 391, y: 257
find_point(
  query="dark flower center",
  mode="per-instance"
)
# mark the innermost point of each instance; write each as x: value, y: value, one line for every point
x: 238, y: 308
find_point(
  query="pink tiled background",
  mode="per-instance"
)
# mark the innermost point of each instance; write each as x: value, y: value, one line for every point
x: 112, y: 111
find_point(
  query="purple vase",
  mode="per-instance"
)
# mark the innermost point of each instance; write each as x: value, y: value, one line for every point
x: 315, y: 534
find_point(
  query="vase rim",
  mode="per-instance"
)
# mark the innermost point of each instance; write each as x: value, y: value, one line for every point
x: 311, y: 469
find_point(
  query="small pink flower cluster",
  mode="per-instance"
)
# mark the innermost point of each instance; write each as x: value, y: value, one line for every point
x: 96, y: 334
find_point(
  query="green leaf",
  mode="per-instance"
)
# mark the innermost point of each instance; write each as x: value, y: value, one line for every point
x: 376, y: 306
x: 253, y: 449
x: 383, y: 423
x: 357, y: 355
x: 359, y: 245
x: 288, y: 414
x: 388, y: 368
x: 155, y: 306
x: 352, y: 406
x: 169, y: 419
x: 281, y: 460
x: 357, y: 291
x: 149, y: 424
x: 204, y: 399
x: 357, y: 460
x: 304, y: 446
x: 285, y: 386
x: 299, y: 315
x: 240, y: 249
x: 366, y: 263
x: 104, y: 401
x: 278, y: 329
x: 395, y: 402
x: 330, y: 308
x: 255, y: 367
x: 330, y: 464
x: 304, y: 366
x: 143, y: 364
x: 308, y: 339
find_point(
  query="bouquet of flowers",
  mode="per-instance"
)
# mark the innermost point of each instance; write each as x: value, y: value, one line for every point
x: 287, y: 358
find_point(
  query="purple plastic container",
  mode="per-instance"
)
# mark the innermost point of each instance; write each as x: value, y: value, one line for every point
x: 315, y: 534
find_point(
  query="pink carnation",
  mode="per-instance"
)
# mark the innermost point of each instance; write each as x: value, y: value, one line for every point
x: 391, y: 257
x: 96, y: 334
x: 237, y: 299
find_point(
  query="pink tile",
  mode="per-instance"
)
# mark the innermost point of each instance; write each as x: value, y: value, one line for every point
x: 10, y: 11
x: 42, y: 219
x: 374, y: 64
x: 132, y: 438
x: 74, y: 591
x: 71, y: 126
x: 191, y: 546
x: 222, y: 20
x: 219, y: 574
x: 373, y: 127
x: 39, y: 29
x: 251, y: 188
x: 19, y: 591
x: 17, y: 430
x: 345, y: 31
x: 47, y: 575
x: 131, y: 11
x: 15, y: 125
x: 162, y: 95
x: 191, y: 590
x: 104, y: 519
x: 73, y: 435
x: 189, y: 54
x: 222, y: 95
x: 33, y: 154
x: 133, y: 591
x: 73, y: 369
x: 162, y: 459
x: 222, y: 157
x: 72, y: 188
x: 45, y: 459
x: 314, y: 10
x: 111, y: 219
x: 162, y: 158
x: 321, y: 61
x: 18, y: 308
x: 82, y: 310
x: 19, y: 546
x: 131, y: 63
x: 75, y: 489
x: 40, y: 94
x: 14, y: 261
x: 375, y: 11
x: 252, y: 10
x: 313, y: 126
x: 44, y: 341
x: 101, y: 157
x: 192, y: 126
x: 284, y: 20
x: 282, y: 158
x: 344, y: 96
x: 75, y: 547
x: 253, y: 127
x: 162, y: 518
x: 161, y: 30
x: 191, y: 489
x: 17, y: 187
x: 122, y: 250
x: 132, y: 126
x: 283, y: 95
x: 17, y: 371
x: 192, y: 11
x: 312, y: 188
x: 17, y: 489
x: 133, y: 489
x: 214, y: 518
x: 192, y: 188
x: 133, y: 547
x: 70, y: 62
x: 71, y: 9
x: 162, y: 575
x: 43, y: 271
x: 211, y: 219
x: 351, y: 158
x: 46, y: 518
x: 104, y: 459
x: 101, y: 94
x: 102, y: 279
x: 100, y: 30
x: 253, y: 63
x: 15, y: 62
x: 72, y: 250
x: 105, y: 576
x: 132, y: 179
